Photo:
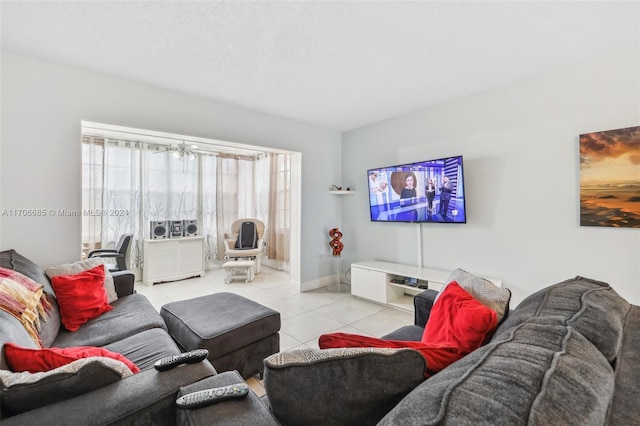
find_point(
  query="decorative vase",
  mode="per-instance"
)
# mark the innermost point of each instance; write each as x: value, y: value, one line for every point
x: 335, y: 242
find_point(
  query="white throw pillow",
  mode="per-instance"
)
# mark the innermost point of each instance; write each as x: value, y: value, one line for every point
x: 85, y: 265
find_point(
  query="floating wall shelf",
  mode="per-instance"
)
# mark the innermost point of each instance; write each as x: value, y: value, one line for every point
x: 342, y: 192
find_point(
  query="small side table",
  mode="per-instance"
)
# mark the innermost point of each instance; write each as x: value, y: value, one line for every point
x: 338, y: 286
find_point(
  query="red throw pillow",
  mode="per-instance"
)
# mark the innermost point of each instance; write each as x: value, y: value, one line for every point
x: 39, y: 360
x: 459, y: 320
x: 437, y: 356
x: 81, y: 296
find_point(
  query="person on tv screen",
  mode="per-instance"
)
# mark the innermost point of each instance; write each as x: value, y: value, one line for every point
x: 409, y: 191
x: 377, y: 192
x: 377, y: 185
x: 431, y: 194
x: 445, y: 196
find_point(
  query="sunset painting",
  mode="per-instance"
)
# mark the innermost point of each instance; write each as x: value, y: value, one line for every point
x: 610, y: 178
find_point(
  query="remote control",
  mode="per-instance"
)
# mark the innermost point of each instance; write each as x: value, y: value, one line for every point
x: 210, y: 396
x: 191, y: 357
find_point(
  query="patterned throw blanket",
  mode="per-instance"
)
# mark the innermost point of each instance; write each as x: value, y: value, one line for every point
x: 24, y: 299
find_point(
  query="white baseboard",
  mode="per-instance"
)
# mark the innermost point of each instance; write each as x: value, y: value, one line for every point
x: 325, y: 281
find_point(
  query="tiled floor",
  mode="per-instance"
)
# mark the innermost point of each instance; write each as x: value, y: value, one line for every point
x: 305, y: 316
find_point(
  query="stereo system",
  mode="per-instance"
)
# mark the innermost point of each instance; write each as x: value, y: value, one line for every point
x: 161, y: 229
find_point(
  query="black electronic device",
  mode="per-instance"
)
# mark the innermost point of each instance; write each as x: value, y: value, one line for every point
x: 210, y: 396
x: 190, y: 357
x: 412, y: 282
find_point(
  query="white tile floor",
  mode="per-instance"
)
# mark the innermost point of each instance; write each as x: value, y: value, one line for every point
x: 305, y: 316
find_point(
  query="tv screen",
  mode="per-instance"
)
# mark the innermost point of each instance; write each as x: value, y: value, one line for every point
x: 425, y: 191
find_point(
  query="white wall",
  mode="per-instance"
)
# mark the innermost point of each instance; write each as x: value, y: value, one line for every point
x: 521, y: 163
x: 43, y: 105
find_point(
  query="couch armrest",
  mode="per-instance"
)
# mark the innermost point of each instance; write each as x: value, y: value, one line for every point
x: 423, y: 302
x: 124, y: 282
x: 340, y: 386
x: 145, y: 398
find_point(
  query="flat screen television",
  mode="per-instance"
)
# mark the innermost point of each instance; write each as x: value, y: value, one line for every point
x: 425, y: 191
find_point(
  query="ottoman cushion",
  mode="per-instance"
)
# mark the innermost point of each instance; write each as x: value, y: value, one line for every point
x: 220, y: 322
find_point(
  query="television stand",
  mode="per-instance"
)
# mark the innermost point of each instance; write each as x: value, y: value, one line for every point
x: 372, y: 280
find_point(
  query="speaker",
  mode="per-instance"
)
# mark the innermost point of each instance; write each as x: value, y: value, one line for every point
x: 159, y: 229
x: 190, y: 228
x: 176, y: 229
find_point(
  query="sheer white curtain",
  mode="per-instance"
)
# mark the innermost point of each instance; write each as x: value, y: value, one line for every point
x: 209, y: 207
x: 132, y: 185
x: 237, y: 183
x: 121, y: 197
x: 92, y: 183
x: 279, y: 210
x: 135, y: 184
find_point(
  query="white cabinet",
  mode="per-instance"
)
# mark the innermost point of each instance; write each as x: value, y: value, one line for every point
x: 173, y: 259
x: 372, y: 281
x: 372, y: 285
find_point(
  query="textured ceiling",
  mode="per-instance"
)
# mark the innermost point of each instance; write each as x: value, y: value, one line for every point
x: 339, y: 65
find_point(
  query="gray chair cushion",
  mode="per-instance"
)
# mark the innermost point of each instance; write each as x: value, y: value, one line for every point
x: 528, y: 375
x: 592, y: 307
x: 349, y: 386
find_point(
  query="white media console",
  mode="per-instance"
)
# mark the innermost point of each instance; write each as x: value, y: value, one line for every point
x: 372, y: 281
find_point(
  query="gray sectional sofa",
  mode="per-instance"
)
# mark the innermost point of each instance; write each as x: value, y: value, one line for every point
x: 133, y: 328
x: 567, y: 355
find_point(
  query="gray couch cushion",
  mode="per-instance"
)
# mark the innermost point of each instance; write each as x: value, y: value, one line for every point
x: 130, y: 315
x: 530, y: 374
x: 408, y: 332
x: 625, y: 409
x: 340, y: 386
x: 146, y: 398
x: 26, y: 391
x: 146, y: 347
x: 591, y: 307
x: 13, y: 332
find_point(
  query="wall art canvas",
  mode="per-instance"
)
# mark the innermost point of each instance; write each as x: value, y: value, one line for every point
x: 610, y: 178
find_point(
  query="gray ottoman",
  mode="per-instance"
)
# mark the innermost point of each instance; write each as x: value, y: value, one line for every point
x: 238, y: 333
